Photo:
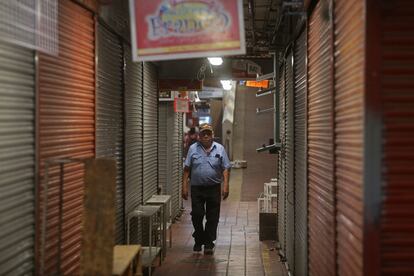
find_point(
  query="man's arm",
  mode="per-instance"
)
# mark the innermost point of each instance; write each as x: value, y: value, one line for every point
x: 186, y: 174
x: 225, y: 192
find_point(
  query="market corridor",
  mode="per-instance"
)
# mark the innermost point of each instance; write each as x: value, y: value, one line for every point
x: 238, y: 249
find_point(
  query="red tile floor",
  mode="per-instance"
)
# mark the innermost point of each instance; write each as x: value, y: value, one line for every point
x: 238, y: 249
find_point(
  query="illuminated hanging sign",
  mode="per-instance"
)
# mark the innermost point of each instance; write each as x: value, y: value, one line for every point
x: 174, y: 29
x: 259, y: 84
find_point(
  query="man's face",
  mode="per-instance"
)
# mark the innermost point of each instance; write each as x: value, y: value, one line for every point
x: 206, y: 138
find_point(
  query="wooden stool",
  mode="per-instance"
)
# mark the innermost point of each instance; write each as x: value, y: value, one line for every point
x: 127, y: 259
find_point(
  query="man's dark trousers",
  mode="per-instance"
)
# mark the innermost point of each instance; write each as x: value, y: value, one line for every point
x: 205, y: 200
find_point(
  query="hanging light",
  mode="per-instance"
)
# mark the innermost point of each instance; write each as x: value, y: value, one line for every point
x: 226, y: 84
x: 216, y: 61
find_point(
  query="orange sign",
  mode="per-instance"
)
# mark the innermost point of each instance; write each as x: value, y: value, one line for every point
x: 259, y: 84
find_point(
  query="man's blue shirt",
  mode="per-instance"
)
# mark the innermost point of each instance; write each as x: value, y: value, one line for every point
x: 206, y: 169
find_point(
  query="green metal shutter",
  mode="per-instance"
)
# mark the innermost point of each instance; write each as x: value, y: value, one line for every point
x: 150, y: 131
x: 17, y: 160
x: 133, y: 139
x: 301, y: 198
x: 110, y: 121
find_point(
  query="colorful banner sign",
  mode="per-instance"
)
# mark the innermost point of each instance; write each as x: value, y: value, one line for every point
x: 174, y: 29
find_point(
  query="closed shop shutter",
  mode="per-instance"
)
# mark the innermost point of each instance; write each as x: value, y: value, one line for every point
x: 282, y: 166
x: 17, y: 160
x: 133, y: 139
x: 163, y: 149
x: 150, y: 135
x: 109, y: 122
x: 320, y: 144
x: 349, y: 101
x: 397, y: 103
x: 289, y: 157
x: 169, y: 154
x: 67, y: 124
x: 180, y: 158
x: 176, y: 147
x: 301, y: 198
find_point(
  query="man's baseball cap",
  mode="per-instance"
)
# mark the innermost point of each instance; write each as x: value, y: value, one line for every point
x: 205, y: 127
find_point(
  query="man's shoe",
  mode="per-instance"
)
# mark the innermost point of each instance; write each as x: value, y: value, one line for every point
x: 197, y: 247
x: 209, y: 249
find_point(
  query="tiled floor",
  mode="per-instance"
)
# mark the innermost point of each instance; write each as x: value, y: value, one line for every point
x: 238, y: 249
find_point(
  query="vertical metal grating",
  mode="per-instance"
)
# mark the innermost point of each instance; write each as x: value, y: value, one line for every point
x: 109, y: 122
x: 180, y: 157
x: 133, y: 139
x: 349, y: 101
x: 67, y: 130
x: 301, y: 198
x: 163, y: 148
x: 322, y: 260
x: 150, y: 131
x: 289, y: 159
x: 176, y: 147
x: 169, y: 142
x: 282, y: 166
x: 397, y: 100
x: 17, y: 160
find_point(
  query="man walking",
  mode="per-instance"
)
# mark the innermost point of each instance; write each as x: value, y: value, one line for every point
x: 207, y: 166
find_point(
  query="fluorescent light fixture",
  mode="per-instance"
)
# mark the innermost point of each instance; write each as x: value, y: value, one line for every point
x: 215, y: 61
x: 226, y: 84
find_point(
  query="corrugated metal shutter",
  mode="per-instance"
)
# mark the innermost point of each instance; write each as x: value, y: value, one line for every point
x: 349, y: 101
x: 67, y: 124
x: 289, y: 157
x: 169, y: 154
x: 397, y: 101
x: 17, y: 160
x: 150, y: 135
x: 180, y: 123
x: 176, y: 147
x: 133, y: 139
x: 109, y: 115
x: 301, y: 198
x: 163, y: 149
x: 282, y: 166
x: 320, y: 145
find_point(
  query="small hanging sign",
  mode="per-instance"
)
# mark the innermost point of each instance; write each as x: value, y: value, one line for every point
x: 181, y: 105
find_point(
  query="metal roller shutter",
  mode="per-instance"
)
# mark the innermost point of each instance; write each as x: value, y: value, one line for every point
x: 397, y: 103
x: 282, y: 166
x: 180, y: 123
x: 289, y: 159
x: 150, y: 135
x: 176, y: 146
x: 320, y: 145
x: 66, y: 130
x: 349, y: 101
x: 163, y: 149
x: 169, y: 154
x: 301, y: 198
x: 133, y: 139
x: 17, y: 160
x: 109, y: 115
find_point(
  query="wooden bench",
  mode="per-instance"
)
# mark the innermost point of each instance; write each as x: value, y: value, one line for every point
x: 127, y: 260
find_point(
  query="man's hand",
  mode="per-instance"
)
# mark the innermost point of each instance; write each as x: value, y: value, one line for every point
x: 225, y: 192
x: 184, y: 194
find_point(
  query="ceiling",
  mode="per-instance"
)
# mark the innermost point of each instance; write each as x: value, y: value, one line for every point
x: 260, y: 20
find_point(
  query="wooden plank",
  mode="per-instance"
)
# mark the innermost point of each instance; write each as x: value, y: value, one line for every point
x: 124, y: 258
x: 98, y: 229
